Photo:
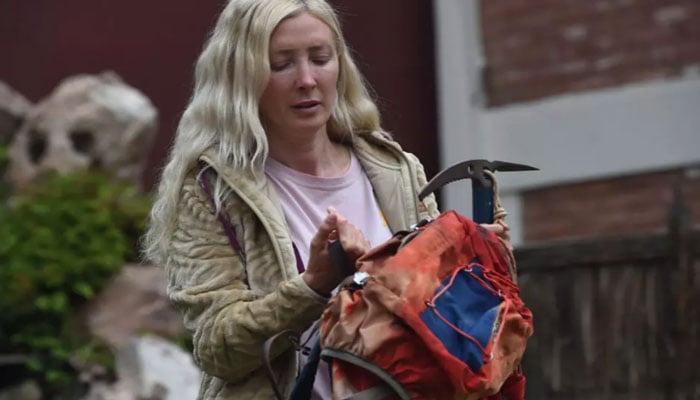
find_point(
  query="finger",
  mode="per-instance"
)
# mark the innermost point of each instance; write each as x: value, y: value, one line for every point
x: 353, y: 240
x: 333, y: 236
x: 503, y: 224
x: 340, y: 218
x: 509, y: 245
x: 347, y: 230
x: 325, y: 231
x: 495, y: 228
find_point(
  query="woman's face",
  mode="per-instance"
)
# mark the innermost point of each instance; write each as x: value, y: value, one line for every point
x: 301, y: 92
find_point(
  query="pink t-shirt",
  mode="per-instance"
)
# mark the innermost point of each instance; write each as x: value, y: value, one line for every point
x: 305, y: 199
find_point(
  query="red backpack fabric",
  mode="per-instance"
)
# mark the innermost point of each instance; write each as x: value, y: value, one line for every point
x: 430, y: 315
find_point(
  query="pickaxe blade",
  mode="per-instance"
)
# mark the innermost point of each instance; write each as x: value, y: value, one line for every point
x: 472, y: 169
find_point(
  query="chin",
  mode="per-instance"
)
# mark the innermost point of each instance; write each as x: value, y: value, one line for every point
x: 314, y: 124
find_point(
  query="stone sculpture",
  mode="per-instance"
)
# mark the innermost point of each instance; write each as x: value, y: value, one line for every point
x: 88, y: 121
x: 13, y: 110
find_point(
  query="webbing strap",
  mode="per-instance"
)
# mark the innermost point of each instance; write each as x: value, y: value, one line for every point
x: 374, y: 393
x: 292, y: 337
x: 233, y: 240
x: 226, y: 223
x: 389, y: 382
x: 499, y: 217
x: 305, y: 382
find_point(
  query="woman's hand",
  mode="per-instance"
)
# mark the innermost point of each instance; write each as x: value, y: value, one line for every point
x: 501, y: 230
x: 321, y: 275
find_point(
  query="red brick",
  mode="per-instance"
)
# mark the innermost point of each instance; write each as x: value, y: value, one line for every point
x: 617, y: 206
x: 539, y: 48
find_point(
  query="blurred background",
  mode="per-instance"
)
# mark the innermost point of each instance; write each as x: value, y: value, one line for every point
x: 603, y: 96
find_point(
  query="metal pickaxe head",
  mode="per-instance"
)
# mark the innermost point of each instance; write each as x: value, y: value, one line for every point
x: 482, y: 185
x: 472, y: 169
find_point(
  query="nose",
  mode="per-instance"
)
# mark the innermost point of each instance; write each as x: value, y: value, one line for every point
x: 306, y: 78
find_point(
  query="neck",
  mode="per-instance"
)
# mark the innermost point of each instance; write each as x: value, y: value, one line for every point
x: 313, y: 155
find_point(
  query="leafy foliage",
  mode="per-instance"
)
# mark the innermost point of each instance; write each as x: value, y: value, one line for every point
x: 4, y: 157
x: 60, y: 242
x: 4, y: 186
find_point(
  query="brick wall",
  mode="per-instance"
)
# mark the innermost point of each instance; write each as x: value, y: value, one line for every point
x: 539, y: 48
x: 624, y: 205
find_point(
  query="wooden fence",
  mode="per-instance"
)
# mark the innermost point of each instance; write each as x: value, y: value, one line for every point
x: 615, y: 319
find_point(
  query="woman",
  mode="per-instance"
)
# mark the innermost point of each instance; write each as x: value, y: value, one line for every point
x: 282, y: 130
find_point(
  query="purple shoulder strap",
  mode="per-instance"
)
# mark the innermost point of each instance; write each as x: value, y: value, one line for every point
x: 226, y: 223
x: 206, y: 185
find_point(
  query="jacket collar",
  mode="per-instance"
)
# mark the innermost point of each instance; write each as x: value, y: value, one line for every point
x: 389, y: 171
x: 262, y: 199
x: 382, y: 159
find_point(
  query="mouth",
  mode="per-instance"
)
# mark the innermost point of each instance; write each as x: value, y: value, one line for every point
x: 305, y: 105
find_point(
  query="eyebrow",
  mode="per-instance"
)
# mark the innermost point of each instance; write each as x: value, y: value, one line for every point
x: 312, y: 49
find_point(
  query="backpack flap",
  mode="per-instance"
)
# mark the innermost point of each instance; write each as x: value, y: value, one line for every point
x: 437, y: 317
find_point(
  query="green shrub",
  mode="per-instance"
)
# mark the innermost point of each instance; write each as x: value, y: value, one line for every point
x: 4, y: 186
x: 60, y: 242
x: 4, y: 157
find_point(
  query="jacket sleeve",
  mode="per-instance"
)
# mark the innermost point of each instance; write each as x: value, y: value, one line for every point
x: 429, y: 207
x: 207, y: 283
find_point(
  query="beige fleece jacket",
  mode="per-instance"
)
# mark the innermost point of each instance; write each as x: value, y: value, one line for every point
x: 232, y: 307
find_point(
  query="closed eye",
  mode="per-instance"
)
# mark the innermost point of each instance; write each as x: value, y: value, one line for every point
x: 280, y: 66
x: 321, y: 60
x: 321, y: 55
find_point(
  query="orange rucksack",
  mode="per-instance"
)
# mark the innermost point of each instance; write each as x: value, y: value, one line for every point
x: 431, y: 314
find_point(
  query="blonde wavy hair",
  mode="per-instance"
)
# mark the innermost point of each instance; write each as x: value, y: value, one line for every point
x: 230, y: 77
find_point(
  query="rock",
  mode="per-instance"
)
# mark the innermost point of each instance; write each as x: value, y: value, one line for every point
x: 28, y: 390
x: 13, y: 110
x: 155, y: 369
x: 88, y: 121
x: 105, y: 391
x: 134, y: 302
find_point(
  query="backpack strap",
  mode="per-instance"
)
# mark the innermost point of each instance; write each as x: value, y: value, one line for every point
x: 374, y: 393
x: 305, y: 382
x: 293, y: 338
x: 225, y: 222
x: 304, y: 386
x: 388, y: 382
x: 499, y: 217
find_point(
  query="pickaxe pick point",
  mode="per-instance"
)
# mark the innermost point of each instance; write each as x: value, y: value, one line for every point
x: 472, y: 169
